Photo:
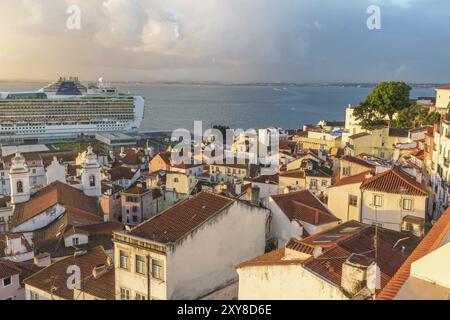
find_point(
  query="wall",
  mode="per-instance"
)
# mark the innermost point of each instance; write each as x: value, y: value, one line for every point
x: 390, y: 214
x: 205, y: 259
x: 43, y: 295
x: 281, y: 227
x: 288, y: 282
x: 41, y: 220
x: 338, y: 201
x: 14, y: 290
x: 136, y: 282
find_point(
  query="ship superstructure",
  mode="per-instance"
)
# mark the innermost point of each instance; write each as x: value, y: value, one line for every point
x: 67, y: 108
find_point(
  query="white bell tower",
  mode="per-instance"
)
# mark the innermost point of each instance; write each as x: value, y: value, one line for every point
x: 19, y: 176
x: 91, y: 176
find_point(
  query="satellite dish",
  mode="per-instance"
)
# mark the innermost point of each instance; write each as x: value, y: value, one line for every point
x: 100, y: 79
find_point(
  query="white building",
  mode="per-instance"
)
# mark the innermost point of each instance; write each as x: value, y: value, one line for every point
x: 189, y: 250
x: 297, y: 215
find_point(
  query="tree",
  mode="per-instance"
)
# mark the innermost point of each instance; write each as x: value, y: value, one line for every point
x: 385, y: 100
x: 416, y: 116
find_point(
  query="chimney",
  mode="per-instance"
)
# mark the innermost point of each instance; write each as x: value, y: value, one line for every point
x: 354, y: 273
x: 253, y: 194
x: 238, y: 188
x: 42, y: 260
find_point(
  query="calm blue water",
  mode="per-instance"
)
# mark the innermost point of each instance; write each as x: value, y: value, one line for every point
x: 177, y: 106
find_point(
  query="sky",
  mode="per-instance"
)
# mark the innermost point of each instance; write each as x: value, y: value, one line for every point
x: 226, y: 40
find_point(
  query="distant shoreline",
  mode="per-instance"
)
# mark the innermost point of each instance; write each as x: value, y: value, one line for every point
x: 250, y: 84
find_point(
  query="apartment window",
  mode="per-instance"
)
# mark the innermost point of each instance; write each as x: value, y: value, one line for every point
x: 140, y: 296
x: 124, y: 294
x: 7, y: 282
x: 140, y: 265
x: 377, y: 200
x: 34, y: 295
x: 313, y: 184
x: 324, y: 183
x: 75, y: 241
x: 123, y: 260
x: 157, y: 269
x: 407, y: 204
x: 134, y: 209
x: 175, y: 180
x: 352, y: 200
x: 135, y: 219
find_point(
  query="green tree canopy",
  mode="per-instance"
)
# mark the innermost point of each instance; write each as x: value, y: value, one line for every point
x: 385, y: 100
x: 416, y: 116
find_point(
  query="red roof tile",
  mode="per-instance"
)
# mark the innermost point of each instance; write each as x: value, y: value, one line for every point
x: 304, y: 206
x: 55, y: 276
x: 394, y: 181
x: 389, y: 259
x: 357, y: 178
x: 359, y: 161
x: 57, y: 192
x: 431, y: 242
x: 175, y: 222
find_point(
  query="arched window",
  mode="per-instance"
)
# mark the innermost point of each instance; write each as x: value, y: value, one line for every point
x: 19, y: 186
x: 92, y: 181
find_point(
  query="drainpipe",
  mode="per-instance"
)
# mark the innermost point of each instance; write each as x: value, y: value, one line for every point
x: 149, y: 277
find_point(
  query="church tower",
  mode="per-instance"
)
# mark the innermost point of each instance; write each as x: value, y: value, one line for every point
x: 19, y: 176
x: 91, y: 176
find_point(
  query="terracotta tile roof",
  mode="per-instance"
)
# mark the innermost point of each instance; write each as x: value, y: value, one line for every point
x: 300, y: 246
x: 272, y: 179
x: 138, y: 188
x: 165, y: 156
x: 102, y: 287
x: 50, y: 238
x: 357, y: 178
x: 185, y: 216
x: 447, y: 87
x: 297, y: 173
x: 119, y: 173
x: 304, y: 206
x: 57, y: 192
x: 275, y: 257
x: 29, y: 156
x: 8, y: 269
x: 185, y: 165
x: 359, y: 161
x: 132, y: 157
x: 55, y: 276
x: 389, y: 259
x: 394, y: 181
x: 431, y: 242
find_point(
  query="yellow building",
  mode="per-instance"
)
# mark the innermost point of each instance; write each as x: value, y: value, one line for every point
x: 319, y: 140
x: 379, y: 142
x: 394, y: 200
x: 344, y: 197
x: 350, y: 166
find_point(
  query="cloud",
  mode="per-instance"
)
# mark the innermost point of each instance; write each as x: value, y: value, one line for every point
x: 228, y: 40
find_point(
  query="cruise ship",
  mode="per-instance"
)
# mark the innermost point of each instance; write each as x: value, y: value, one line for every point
x: 67, y: 108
